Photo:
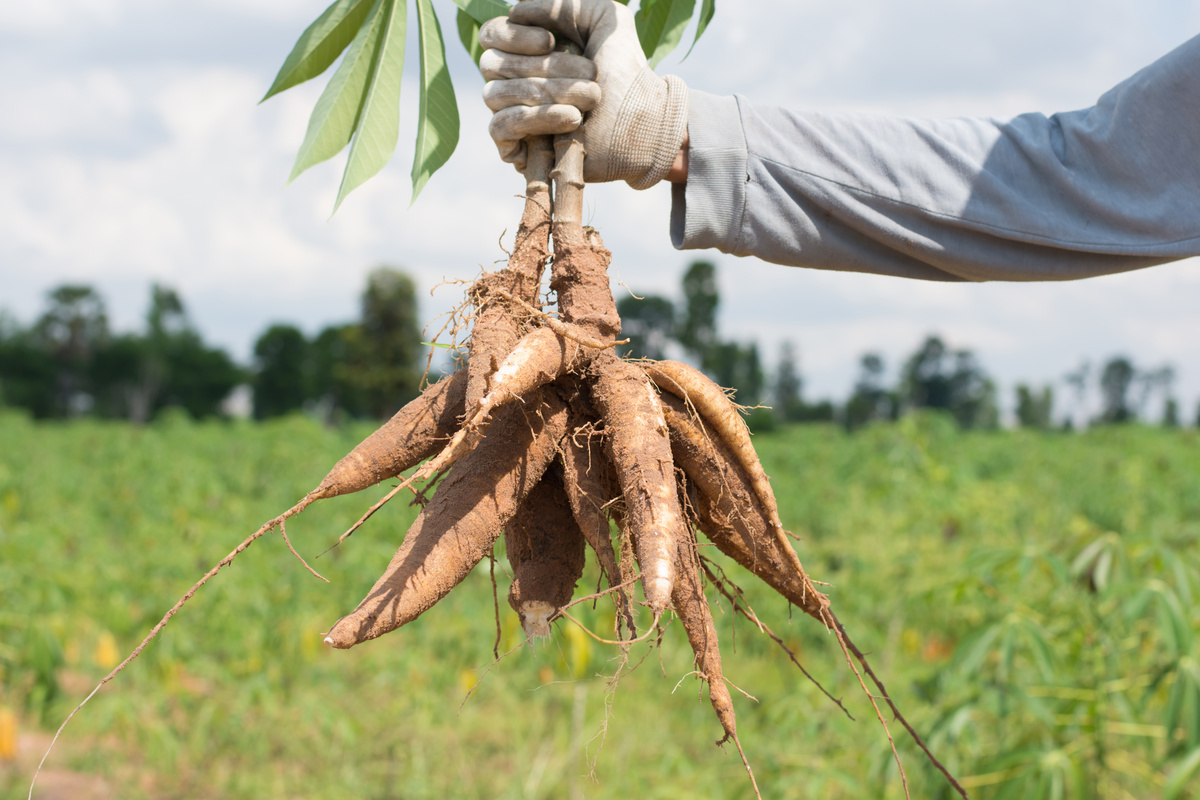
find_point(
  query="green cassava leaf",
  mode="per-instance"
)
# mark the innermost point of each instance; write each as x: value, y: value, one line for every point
x: 1039, y: 649
x: 660, y: 25
x: 437, y: 118
x: 378, y: 123
x: 321, y: 43
x: 468, y: 34
x: 1173, y: 712
x: 1077, y: 779
x: 1191, y: 718
x: 336, y: 114
x: 1178, y: 620
x: 1181, y: 777
x: 972, y: 653
x: 707, y: 9
x: 1103, y: 570
x: 482, y: 10
x: 360, y: 105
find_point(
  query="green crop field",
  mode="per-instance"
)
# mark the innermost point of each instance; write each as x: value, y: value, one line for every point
x: 1029, y: 599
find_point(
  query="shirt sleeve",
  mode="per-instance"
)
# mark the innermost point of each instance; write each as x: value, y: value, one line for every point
x: 1105, y: 189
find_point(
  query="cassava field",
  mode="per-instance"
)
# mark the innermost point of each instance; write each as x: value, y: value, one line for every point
x: 1029, y: 599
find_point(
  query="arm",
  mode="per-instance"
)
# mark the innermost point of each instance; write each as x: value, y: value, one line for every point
x: 1106, y: 189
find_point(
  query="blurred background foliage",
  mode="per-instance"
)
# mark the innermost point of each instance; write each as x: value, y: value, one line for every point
x: 1028, y: 596
x: 69, y: 363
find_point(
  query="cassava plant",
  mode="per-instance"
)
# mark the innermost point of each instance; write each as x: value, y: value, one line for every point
x: 545, y: 437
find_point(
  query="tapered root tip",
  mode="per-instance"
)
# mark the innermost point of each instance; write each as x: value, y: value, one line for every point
x: 340, y: 637
x: 535, y: 618
x: 658, y: 587
x: 722, y: 703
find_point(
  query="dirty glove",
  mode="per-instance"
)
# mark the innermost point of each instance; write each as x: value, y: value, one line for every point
x: 636, y: 121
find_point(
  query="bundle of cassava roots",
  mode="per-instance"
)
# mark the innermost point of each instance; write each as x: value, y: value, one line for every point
x: 546, y: 437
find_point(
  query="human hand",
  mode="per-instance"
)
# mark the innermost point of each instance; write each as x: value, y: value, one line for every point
x: 637, y: 121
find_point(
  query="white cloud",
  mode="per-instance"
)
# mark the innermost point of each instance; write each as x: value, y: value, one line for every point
x: 49, y: 17
x: 89, y: 108
x: 302, y: 12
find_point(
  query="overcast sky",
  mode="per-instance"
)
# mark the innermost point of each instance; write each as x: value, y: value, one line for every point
x: 132, y: 150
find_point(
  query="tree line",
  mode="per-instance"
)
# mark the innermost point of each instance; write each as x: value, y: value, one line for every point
x: 69, y: 363
x: 935, y: 376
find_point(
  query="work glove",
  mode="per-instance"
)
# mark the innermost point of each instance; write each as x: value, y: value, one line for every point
x: 636, y: 121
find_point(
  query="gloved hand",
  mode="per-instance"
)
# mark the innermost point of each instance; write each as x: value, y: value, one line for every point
x: 636, y: 121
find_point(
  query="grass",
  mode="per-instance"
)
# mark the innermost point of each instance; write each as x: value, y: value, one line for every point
x: 969, y: 566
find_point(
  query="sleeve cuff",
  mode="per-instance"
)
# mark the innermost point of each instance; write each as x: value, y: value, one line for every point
x: 707, y: 210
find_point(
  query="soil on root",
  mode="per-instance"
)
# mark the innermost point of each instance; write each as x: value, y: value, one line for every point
x: 496, y: 295
x: 546, y: 550
x: 640, y: 451
x: 416, y: 432
x: 462, y: 521
x: 726, y: 507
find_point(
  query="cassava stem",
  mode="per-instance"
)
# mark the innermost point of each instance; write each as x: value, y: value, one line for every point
x: 497, y: 327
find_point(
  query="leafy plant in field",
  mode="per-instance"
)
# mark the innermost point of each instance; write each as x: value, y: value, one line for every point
x: 1083, y: 679
x: 360, y: 106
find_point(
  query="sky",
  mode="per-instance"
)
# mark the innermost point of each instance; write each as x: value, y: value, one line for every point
x: 133, y: 150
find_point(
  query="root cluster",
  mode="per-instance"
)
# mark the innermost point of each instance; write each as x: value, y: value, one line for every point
x: 546, y: 435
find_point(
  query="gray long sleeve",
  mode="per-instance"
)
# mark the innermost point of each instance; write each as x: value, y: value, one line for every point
x: 1105, y: 189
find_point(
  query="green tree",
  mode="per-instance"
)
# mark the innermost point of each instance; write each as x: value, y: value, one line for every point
x: 937, y: 377
x: 1078, y: 381
x: 28, y: 373
x: 737, y: 366
x: 166, y: 316
x: 74, y: 324
x: 1035, y: 409
x: 697, y: 331
x: 1170, y: 417
x: 649, y: 323
x: 199, y: 378
x: 787, y: 393
x: 136, y: 376
x: 71, y: 330
x: 166, y: 320
x: 1116, y: 381
x: 787, y: 397
x: 282, y: 371
x: 332, y: 388
x: 870, y: 400
x: 381, y: 366
x: 121, y: 376
x: 1151, y: 382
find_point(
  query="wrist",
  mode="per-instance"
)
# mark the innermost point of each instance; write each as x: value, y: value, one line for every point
x: 648, y: 128
x: 679, y: 168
